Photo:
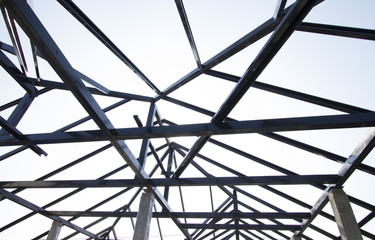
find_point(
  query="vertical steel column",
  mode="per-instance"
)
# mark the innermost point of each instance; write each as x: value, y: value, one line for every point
x: 142, y: 226
x: 55, y: 230
x: 345, y: 219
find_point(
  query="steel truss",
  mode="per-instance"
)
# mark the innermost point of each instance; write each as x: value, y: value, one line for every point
x: 165, y: 163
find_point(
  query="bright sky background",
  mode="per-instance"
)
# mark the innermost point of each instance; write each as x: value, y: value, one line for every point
x: 151, y: 35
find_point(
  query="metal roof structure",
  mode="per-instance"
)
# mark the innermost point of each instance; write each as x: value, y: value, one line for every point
x: 239, y: 126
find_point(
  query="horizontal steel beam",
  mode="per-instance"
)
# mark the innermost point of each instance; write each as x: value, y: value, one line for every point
x: 203, y: 129
x: 248, y: 215
x: 360, y: 33
x: 61, y: 86
x: 241, y: 226
x: 159, y: 182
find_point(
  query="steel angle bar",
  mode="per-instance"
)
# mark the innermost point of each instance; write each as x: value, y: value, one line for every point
x: 341, y: 31
x: 293, y: 94
x: 82, y: 18
x: 16, y: 74
x: 34, y: 208
x: 18, y: 135
x: 8, y: 48
x: 202, y: 129
x: 358, y: 155
x: 13, y: 34
x: 189, y: 34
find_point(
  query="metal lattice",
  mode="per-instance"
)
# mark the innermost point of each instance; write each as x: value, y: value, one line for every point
x: 245, y: 145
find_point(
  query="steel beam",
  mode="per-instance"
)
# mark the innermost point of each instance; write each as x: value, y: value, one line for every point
x: 61, y: 86
x: 293, y: 94
x: 203, y: 129
x: 169, y: 182
x: 16, y: 74
x: 240, y: 227
x: 20, y: 136
x: 13, y: 35
x: 359, y: 33
x: 8, y: 48
x: 146, y: 141
x: 19, y: 111
x: 86, y: 22
x: 189, y: 34
x: 221, y: 215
